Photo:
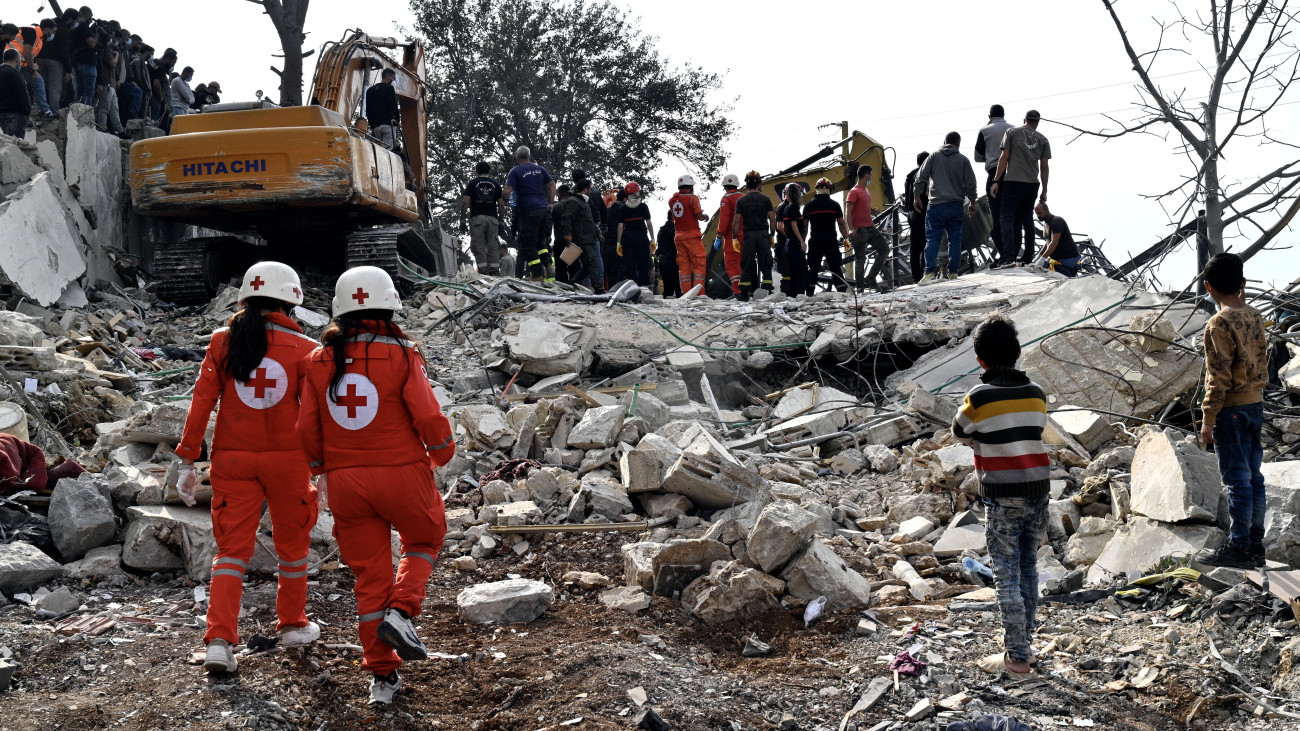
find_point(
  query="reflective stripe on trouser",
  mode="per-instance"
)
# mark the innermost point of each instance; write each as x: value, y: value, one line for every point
x: 755, y: 257
x: 367, y: 503
x: 731, y: 259
x: 690, y: 260
x: 241, y: 482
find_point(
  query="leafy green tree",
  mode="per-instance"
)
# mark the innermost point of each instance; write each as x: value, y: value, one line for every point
x: 577, y: 82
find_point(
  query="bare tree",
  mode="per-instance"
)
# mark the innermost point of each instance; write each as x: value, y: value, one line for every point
x: 1254, y: 66
x: 288, y: 17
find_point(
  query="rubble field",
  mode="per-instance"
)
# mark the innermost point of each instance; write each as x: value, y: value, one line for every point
x: 682, y: 513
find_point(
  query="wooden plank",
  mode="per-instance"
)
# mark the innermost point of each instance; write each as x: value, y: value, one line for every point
x: 1284, y: 585
x: 583, y: 395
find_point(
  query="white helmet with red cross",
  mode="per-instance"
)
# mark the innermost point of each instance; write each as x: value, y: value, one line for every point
x: 271, y: 279
x: 365, y: 288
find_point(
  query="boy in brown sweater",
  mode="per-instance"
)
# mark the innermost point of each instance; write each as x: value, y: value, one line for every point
x: 1236, y: 371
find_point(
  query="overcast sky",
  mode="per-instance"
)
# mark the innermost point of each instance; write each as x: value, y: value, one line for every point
x: 904, y: 73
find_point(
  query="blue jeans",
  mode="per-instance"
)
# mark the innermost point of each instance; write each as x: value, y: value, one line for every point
x: 84, y: 75
x: 132, y: 97
x: 940, y: 217
x: 1240, y: 451
x: 36, y: 84
x: 1016, y: 526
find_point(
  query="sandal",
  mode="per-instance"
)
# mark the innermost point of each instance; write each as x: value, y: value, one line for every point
x: 994, y: 664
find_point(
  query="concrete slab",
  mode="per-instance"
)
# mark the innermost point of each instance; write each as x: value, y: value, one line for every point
x: 49, y: 255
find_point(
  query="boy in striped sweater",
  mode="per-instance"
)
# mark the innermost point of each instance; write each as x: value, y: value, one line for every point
x: 1002, y: 419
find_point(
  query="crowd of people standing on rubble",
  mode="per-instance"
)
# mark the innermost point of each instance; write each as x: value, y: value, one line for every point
x: 571, y: 232
x: 78, y: 58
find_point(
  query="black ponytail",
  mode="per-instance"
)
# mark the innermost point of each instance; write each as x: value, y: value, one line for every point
x: 247, y: 337
x: 336, y: 336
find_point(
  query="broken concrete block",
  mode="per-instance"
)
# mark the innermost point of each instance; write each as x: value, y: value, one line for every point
x: 956, y: 541
x: 640, y: 471
x: 1157, y: 332
x: 1089, y: 428
x: 524, y: 512
x: 663, y: 449
x: 1289, y: 374
x: 712, y: 478
x: 1282, y: 485
x: 1173, y: 480
x: 1141, y: 543
x: 1282, y: 538
x: 51, y: 256
x: 807, y: 426
x: 487, y: 426
x: 638, y: 563
x: 1086, y: 545
x: 627, y: 598
x: 848, y: 461
x: 598, y: 427
x: 81, y: 516
x: 882, y: 458
x: 549, y: 348
x: 1063, y: 518
x: 812, y: 400
x: 955, y: 463
x: 891, y: 432
x: 512, y: 601
x: 58, y: 602
x: 665, y: 506
x: 782, y: 530
x: 99, y: 563
x: 914, y: 528
x: 24, y: 567
x: 542, y: 486
x: 938, y: 409
x: 605, y: 497
x: 94, y: 168
x: 162, y: 538
x: 730, y: 592
x: 935, y: 506
x: 8, y: 666
x: 648, y: 407
x: 820, y: 572
x: 162, y: 424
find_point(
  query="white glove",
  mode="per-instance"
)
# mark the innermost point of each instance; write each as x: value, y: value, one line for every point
x: 322, y: 493
x: 187, y: 484
x: 1042, y: 263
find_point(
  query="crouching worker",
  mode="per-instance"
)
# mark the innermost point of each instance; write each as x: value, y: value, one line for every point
x: 373, y: 430
x: 252, y: 368
x: 1003, y: 419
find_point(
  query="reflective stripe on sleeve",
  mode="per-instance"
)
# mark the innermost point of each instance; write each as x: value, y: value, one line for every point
x: 449, y: 441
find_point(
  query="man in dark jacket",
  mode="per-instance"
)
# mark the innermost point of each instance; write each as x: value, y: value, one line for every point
x: 667, y: 257
x: 381, y: 109
x: 14, y: 102
x: 915, y: 220
x: 55, y: 60
x: 573, y: 225
x: 609, y: 251
x: 205, y: 94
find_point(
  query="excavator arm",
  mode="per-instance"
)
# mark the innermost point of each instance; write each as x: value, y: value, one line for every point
x: 349, y: 67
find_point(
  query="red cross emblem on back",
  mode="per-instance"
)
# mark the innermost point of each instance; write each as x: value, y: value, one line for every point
x: 361, y: 296
x: 259, y: 383
x: 256, y: 284
x: 352, y: 400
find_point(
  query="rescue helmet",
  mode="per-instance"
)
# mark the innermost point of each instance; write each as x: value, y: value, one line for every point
x: 825, y: 183
x: 365, y: 288
x: 753, y: 178
x: 632, y: 188
x: 271, y: 279
x: 686, y: 181
x: 730, y: 181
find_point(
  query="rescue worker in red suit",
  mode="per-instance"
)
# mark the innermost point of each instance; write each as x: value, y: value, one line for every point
x: 373, y: 430
x: 253, y: 368
x: 730, y: 243
x: 687, y: 214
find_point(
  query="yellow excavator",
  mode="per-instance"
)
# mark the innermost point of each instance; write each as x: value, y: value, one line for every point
x: 306, y: 185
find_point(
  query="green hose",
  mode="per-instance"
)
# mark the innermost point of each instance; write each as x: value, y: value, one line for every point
x: 185, y: 369
x: 710, y: 347
x: 439, y: 282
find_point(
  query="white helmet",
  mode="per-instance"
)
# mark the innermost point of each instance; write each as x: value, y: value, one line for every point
x: 365, y: 288
x: 731, y: 180
x: 686, y: 180
x: 271, y: 279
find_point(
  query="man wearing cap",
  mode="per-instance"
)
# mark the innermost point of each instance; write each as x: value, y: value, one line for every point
x: 988, y: 145
x: 205, y: 94
x: 1025, y: 152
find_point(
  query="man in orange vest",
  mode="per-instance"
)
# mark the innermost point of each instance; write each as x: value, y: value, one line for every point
x: 687, y: 214
x: 730, y: 243
x: 28, y: 41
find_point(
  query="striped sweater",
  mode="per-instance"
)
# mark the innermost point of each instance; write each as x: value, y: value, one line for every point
x: 1003, y: 420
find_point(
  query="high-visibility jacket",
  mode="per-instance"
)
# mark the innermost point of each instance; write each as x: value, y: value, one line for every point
x: 258, y: 414
x: 18, y: 45
x: 686, y: 211
x: 385, y: 413
x: 727, y: 213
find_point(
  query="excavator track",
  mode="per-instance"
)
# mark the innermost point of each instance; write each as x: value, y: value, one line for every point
x: 376, y: 247
x: 189, y: 272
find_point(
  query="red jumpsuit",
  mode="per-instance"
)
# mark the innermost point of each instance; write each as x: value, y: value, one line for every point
x: 256, y: 458
x: 378, y: 442
x: 690, y: 248
x: 730, y: 244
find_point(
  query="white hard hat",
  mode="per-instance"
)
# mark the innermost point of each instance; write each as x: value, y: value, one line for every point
x: 365, y: 288
x: 271, y: 279
x: 731, y: 179
x: 686, y: 180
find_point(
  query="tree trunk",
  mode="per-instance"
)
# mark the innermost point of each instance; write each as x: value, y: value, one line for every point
x: 1213, y: 205
x: 288, y: 17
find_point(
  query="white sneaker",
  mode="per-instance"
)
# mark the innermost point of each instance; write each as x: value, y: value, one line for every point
x: 382, y: 689
x: 220, y: 657
x: 399, y: 632
x: 928, y: 279
x: 299, y: 636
